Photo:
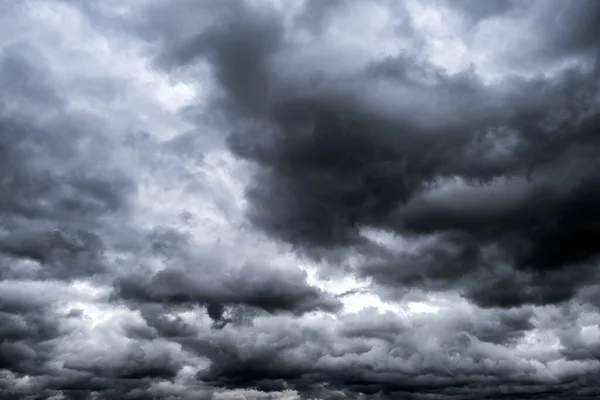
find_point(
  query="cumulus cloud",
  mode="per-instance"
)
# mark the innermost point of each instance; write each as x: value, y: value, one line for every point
x: 298, y: 200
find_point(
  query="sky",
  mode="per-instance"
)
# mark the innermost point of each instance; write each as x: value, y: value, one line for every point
x: 299, y: 199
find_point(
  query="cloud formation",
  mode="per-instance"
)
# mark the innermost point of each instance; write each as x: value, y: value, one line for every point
x: 416, y: 156
x: 299, y: 200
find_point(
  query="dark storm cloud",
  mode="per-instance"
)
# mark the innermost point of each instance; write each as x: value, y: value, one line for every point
x: 56, y: 196
x: 228, y: 47
x: 468, y: 361
x: 28, y: 326
x: 378, y: 149
x: 575, y: 27
x: 36, y: 339
x: 33, y: 327
x: 52, y: 195
x: 279, y: 292
x: 135, y: 364
x: 210, y: 280
x: 65, y: 211
x: 497, y: 180
x: 382, y: 354
x: 60, y: 193
x: 488, y: 190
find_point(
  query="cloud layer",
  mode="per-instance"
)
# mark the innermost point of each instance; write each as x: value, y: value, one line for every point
x: 299, y: 200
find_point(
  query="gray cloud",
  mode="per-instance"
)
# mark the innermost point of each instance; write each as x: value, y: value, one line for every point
x: 212, y: 281
x: 184, y: 184
x: 335, y: 157
x: 379, y: 353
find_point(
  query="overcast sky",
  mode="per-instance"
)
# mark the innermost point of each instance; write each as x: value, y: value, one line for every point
x: 299, y: 199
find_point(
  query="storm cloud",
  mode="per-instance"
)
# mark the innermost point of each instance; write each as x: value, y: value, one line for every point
x: 299, y: 199
x: 402, y: 146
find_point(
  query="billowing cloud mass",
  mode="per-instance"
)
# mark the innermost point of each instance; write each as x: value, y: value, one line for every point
x: 206, y: 199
